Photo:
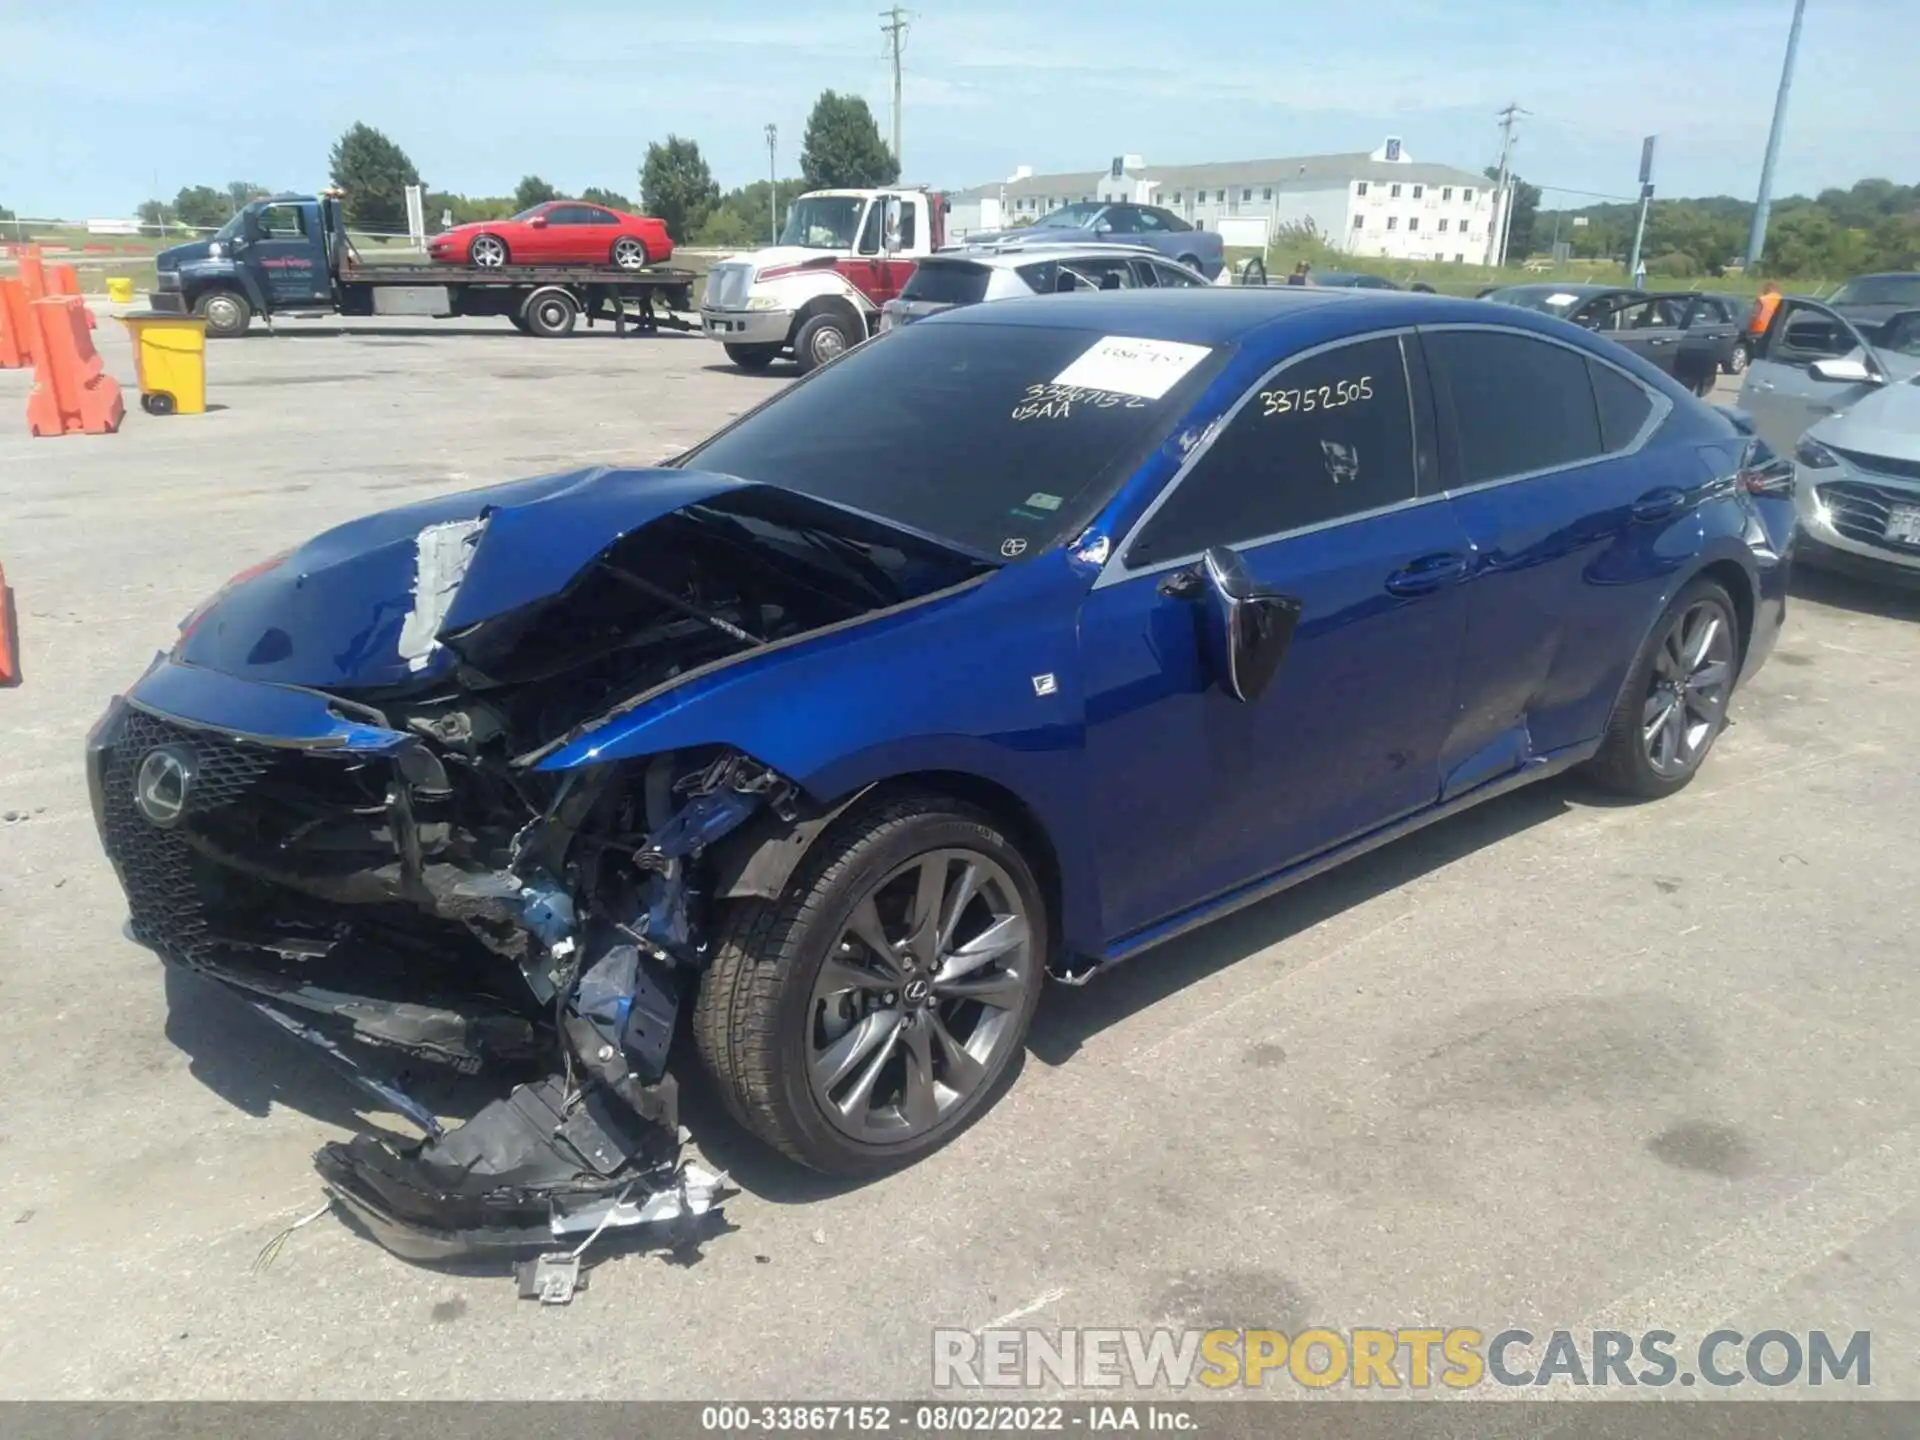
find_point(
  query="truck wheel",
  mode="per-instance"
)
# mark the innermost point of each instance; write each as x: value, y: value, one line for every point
x: 825, y: 337
x: 226, y: 312
x: 488, y: 252
x: 753, y: 358
x: 629, y: 253
x: 550, y: 313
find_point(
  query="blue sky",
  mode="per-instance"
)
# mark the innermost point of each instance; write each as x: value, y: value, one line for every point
x: 105, y: 103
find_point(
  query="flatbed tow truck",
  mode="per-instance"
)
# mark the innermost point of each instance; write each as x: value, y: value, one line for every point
x: 290, y: 255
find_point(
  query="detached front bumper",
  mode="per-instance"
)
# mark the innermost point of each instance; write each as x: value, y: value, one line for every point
x: 747, y: 327
x: 1858, y: 519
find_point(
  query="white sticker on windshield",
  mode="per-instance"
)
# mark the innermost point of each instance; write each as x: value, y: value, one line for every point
x: 1563, y: 298
x: 1131, y: 366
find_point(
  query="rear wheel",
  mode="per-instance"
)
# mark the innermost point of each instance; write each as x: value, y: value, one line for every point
x: 550, y: 313
x: 488, y: 252
x: 868, y: 1015
x: 825, y: 337
x: 754, y: 358
x: 1674, y: 705
x: 226, y: 312
x: 1738, y: 357
x: 629, y: 253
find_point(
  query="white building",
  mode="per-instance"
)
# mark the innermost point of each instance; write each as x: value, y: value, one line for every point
x: 1382, y: 203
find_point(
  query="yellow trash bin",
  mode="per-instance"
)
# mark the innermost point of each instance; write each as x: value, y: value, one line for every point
x: 170, y: 357
x: 119, y: 289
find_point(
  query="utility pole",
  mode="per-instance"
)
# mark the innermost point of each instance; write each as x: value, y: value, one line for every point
x: 1763, y: 203
x: 1497, y: 232
x: 1646, y: 199
x: 773, y: 181
x: 896, y: 32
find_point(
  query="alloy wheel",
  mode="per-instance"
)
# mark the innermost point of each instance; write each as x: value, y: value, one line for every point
x: 488, y: 253
x: 1687, y: 697
x: 916, y: 1009
x: 1737, y: 361
x: 629, y: 254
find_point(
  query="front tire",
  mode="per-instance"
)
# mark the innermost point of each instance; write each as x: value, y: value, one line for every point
x: 487, y: 252
x: 827, y: 336
x: 1738, y: 358
x: 1674, y: 704
x: 753, y: 358
x: 226, y: 312
x: 877, y: 1008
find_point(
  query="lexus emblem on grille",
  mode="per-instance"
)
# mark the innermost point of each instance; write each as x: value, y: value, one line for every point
x: 160, y: 788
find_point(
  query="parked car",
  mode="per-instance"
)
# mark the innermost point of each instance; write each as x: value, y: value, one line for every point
x: 1727, y: 316
x: 1016, y: 642
x: 1848, y: 410
x: 1869, y: 301
x: 1147, y: 225
x: 1667, y: 330
x: 1351, y: 280
x: 944, y: 281
x: 560, y: 232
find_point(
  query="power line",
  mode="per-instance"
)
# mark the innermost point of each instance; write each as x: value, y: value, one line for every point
x: 896, y: 32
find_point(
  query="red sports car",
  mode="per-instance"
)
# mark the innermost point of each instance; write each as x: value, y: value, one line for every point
x: 560, y: 232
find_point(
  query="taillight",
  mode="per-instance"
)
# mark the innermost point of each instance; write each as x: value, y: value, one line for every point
x: 199, y: 612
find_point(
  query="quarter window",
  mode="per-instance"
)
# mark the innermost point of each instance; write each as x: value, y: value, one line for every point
x: 1518, y: 404
x: 1623, y: 404
x: 1322, y: 439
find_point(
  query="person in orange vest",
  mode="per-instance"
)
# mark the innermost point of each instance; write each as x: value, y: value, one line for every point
x: 1763, y: 309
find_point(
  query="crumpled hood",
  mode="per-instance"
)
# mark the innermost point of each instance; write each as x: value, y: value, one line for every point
x: 361, y: 606
x: 1885, y: 423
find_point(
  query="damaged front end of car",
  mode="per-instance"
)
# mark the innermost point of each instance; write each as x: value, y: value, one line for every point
x: 329, y: 798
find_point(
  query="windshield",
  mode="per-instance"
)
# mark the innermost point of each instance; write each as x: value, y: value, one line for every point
x: 1879, y: 290
x: 823, y: 222
x: 1549, y: 299
x: 978, y: 434
x: 231, y: 230
x: 528, y: 213
x: 1069, y: 217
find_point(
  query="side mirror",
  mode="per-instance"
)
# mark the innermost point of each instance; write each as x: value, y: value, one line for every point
x: 890, y: 227
x: 1103, y: 227
x: 538, y: 222
x: 1844, y: 372
x: 1244, y: 630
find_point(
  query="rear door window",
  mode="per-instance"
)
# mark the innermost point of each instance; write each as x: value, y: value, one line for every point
x: 1327, y: 437
x: 946, y: 282
x: 1518, y: 404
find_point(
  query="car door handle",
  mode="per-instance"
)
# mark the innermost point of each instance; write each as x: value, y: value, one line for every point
x: 1658, y: 504
x: 1427, y: 574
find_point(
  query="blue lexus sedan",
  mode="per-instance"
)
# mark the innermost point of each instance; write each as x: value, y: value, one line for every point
x: 1008, y: 645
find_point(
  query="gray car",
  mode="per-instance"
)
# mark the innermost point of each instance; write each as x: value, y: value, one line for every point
x: 1848, y: 411
x: 1000, y: 272
x: 1127, y: 224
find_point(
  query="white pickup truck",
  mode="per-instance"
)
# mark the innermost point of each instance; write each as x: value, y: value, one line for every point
x: 842, y: 255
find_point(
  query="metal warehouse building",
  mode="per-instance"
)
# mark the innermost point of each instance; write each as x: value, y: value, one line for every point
x: 1381, y: 203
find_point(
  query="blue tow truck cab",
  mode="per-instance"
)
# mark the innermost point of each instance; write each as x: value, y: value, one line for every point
x: 290, y: 255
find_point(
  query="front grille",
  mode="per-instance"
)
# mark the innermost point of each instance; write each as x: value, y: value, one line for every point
x: 727, y: 286
x: 1879, y: 464
x: 1859, y: 512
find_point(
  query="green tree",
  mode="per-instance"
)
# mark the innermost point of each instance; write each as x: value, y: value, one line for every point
x: 843, y: 148
x: 241, y: 193
x: 374, y: 172
x: 612, y: 199
x: 155, y: 215
x: 201, y: 206
x: 677, y: 186
x: 728, y: 229
x: 532, y: 191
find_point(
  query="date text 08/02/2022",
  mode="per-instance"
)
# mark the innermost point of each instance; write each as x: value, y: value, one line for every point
x: 944, y: 1417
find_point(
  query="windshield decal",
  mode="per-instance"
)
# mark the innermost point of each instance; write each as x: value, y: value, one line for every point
x: 1132, y: 366
x: 1562, y: 298
x: 1056, y: 401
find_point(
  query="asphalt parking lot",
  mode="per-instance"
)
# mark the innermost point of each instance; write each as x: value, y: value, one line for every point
x: 1555, y: 1063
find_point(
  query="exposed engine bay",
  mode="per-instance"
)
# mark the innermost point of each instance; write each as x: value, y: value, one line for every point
x: 427, y: 894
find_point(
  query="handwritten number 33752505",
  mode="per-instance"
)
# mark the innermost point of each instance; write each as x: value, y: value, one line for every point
x: 1316, y: 397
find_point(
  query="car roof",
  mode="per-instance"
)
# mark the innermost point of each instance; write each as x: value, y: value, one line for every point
x: 1231, y: 314
x: 1002, y: 256
x: 1586, y: 290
